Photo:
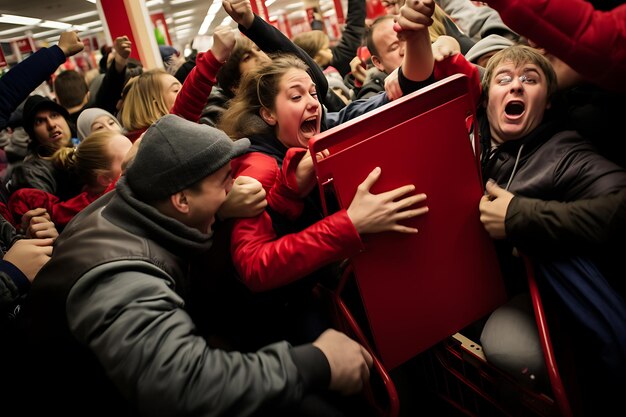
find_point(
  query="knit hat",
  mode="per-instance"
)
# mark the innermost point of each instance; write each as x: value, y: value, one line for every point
x: 86, y: 119
x: 34, y: 104
x: 489, y: 44
x: 176, y: 153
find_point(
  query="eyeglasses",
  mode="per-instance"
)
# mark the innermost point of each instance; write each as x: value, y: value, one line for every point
x: 524, y: 79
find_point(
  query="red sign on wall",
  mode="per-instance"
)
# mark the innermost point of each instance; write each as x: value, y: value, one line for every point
x: 259, y: 7
x: 3, y: 61
x: 25, y: 45
x: 160, y: 25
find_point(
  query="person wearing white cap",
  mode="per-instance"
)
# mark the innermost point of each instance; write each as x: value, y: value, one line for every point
x: 94, y: 119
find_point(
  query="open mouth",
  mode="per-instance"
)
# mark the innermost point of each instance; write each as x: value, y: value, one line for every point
x: 514, y: 108
x: 56, y: 136
x: 309, y: 125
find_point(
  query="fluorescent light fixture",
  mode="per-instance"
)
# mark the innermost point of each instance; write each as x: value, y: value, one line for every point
x: 46, y: 33
x: 174, y: 2
x: 185, y: 19
x: 18, y: 20
x: 91, y: 24
x: 92, y: 1
x: 21, y: 29
x: 79, y: 16
x: 268, y: 3
x: 295, y: 6
x: 183, y: 13
x: 54, y: 25
x: 151, y: 3
x: 185, y: 26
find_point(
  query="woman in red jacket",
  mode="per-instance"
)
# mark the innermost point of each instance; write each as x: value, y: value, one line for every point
x: 288, y: 245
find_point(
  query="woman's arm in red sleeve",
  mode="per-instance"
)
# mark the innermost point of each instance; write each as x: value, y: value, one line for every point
x: 195, y: 91
x: 264, y: 261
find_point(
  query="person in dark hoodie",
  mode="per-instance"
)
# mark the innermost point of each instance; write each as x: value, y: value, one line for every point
x: 48, y: 125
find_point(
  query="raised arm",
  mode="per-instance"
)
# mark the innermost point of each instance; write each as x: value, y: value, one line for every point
x: 198, y: 85
x: 351, y: 37
x: 588, y: 40
x: 22, y: 79
x: 270, y: 40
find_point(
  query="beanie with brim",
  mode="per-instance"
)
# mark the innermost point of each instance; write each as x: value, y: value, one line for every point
x: 175, y: 153
x: 86, y: 119
x: 491, y: 43
x: 35, y: 104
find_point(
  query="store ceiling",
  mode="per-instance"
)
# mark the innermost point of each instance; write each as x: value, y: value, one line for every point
x: 184, y: 17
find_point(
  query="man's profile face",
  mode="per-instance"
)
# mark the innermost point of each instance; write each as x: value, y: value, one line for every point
x: 205, y: 200
x: 390, y: 48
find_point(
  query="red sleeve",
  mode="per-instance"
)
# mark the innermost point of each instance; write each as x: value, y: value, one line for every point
x: 193, y: 96
x: 257, y: 165
x: 61, y: 212
x: 284, y: 196
x: 588, y: 40
x: 264, y: 261
x: 64, y: 211
x: 457, y: 64
x: 26, y: 199
x: 280, y: 184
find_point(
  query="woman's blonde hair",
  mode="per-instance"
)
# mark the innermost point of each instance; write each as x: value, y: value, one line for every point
x: 438, y: 28
x: 144, y: 103
x: 258, y: 89
x: 89, y: 159
x: 311, y: 42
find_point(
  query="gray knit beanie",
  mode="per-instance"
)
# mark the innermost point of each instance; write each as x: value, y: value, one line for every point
x: 86, y: 119
x: 489, y: 44
x: 176, y: 153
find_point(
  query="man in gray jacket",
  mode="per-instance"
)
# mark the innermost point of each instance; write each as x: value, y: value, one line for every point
x: 107, y: 314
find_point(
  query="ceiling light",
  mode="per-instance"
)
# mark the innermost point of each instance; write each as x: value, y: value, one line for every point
x: 46, y: 33
x: 183, y: 13
x: 91, y: 24
x: 79, y: 16
x: 185, y: 19
x: 54, y: 25
x: 18, y: 20
x: 294, y: 6
x: 21, y: 29
x: 174, y: 2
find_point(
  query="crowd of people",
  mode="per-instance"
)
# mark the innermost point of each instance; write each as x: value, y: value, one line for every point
x: 163, y: 238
